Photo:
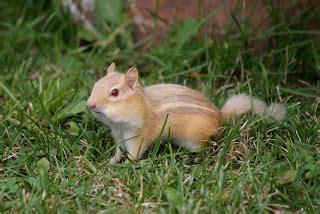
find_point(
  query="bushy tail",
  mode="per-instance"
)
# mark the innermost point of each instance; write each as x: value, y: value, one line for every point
x: 242, y: 103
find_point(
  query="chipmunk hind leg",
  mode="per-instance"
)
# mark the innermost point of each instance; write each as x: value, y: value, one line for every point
x: 196, y: 130
x: 196, y: 140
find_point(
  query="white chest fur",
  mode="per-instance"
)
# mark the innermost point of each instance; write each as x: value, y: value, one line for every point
x: 124, y: 136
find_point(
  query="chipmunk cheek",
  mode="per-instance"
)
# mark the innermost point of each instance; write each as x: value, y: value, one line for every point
x: 114, y: 113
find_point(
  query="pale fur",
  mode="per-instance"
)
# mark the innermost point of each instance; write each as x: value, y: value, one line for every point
x: 137, y: 115
x: 242, y: 103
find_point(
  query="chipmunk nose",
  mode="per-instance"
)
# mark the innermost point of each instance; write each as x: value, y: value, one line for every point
x: 91, y: 105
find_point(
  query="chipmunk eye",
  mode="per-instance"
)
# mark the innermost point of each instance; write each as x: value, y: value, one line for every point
x: 115, y: 92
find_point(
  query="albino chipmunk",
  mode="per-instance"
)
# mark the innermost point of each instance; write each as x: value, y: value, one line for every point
x: 136, y: 114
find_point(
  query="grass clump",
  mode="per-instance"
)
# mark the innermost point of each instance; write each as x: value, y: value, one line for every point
x: 54, y: 155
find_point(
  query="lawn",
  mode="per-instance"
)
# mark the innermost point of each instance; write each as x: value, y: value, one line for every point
x: 54, y: 155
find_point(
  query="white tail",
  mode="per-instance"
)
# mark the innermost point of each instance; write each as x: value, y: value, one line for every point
x: 242, y: 103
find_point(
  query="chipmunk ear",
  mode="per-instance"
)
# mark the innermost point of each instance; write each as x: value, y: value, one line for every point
x: 132, y: 77
x: 111, y: 68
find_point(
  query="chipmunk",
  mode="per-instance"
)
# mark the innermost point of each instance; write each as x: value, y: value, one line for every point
x: 137, y: 115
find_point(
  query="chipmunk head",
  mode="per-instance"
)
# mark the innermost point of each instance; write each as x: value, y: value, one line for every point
x: 117, y: 98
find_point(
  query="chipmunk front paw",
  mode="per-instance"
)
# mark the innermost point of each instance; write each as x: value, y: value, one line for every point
x: 115, y: 159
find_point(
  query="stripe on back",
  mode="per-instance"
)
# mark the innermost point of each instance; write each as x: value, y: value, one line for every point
x: 185, y: 108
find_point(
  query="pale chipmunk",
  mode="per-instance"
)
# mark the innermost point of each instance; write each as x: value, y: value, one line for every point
x: 137, y: 114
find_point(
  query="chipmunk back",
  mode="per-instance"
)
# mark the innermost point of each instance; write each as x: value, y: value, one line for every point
x: 138, y: 115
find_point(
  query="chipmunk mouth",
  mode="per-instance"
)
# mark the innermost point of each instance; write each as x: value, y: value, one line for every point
x: 97, y: 112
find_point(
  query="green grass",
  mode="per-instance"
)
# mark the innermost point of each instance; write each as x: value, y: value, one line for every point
x: 54, y: 154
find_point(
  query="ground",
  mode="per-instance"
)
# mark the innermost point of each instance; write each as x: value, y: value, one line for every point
x: 54, y: 154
